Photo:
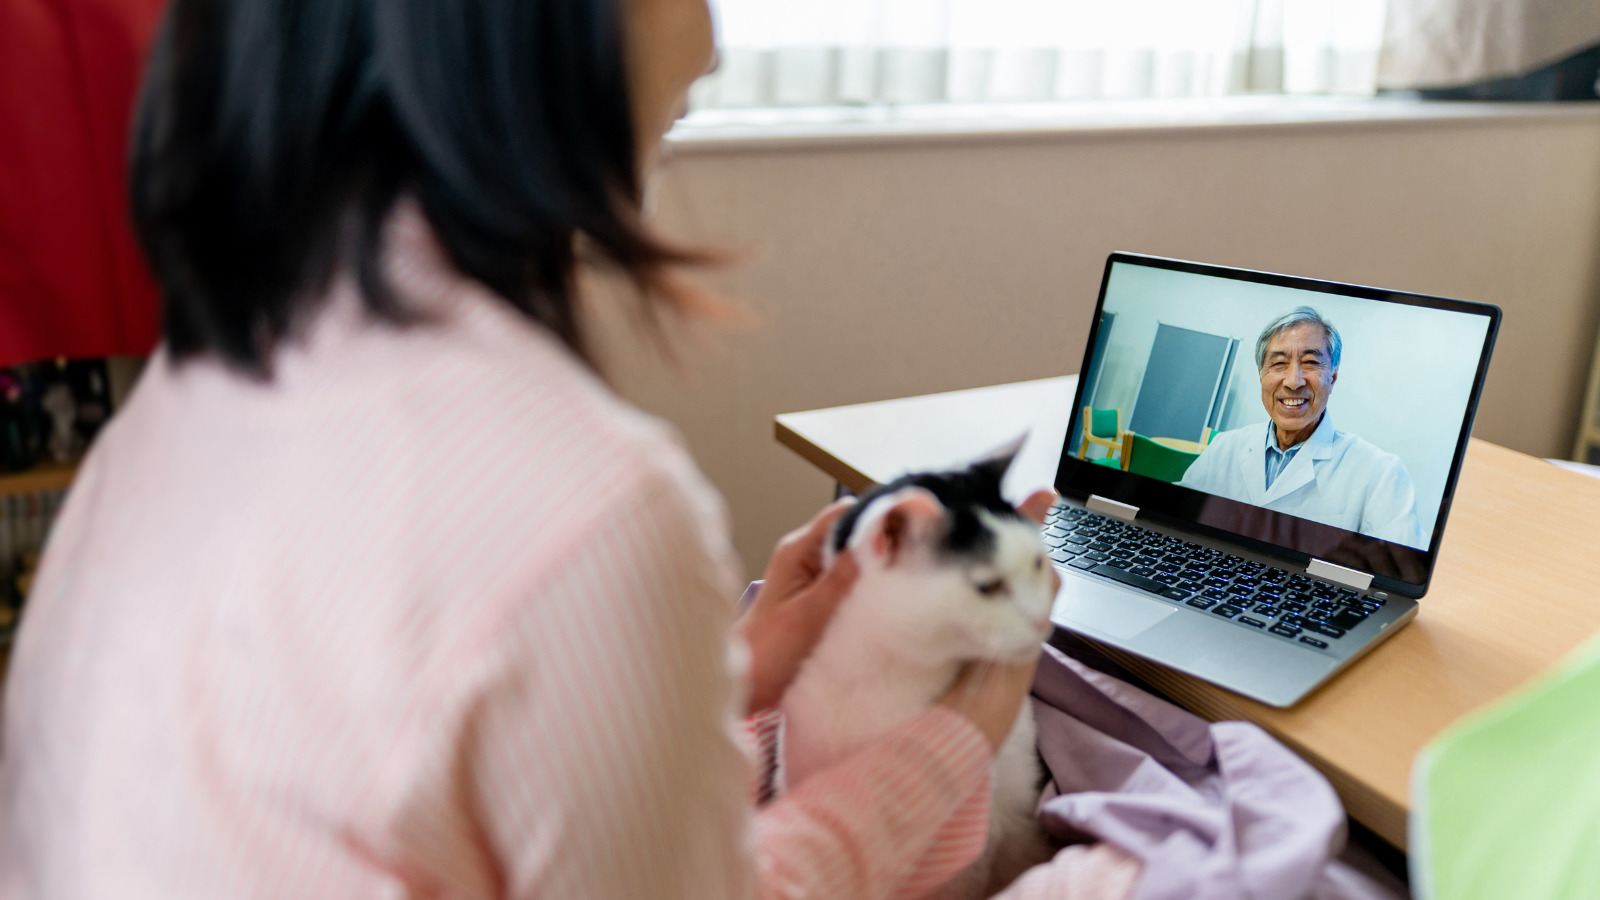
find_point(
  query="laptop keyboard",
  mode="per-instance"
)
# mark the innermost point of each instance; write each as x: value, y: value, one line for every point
x: 1292, y: 606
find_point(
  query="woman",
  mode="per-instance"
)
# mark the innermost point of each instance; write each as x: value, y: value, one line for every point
x: 373, y: 588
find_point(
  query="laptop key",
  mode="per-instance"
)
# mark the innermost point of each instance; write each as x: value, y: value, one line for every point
x: 1062, y: 556
x: 1326, y: 629
x: 1120, y: 563
x: 1128, y: 578
x: 1345, y: 620
x: 1082, y: 563
x: 1166, y: 578
x: 1146, y: 571
x: 1096, y: 555
x: 1227, y: 610
x: 1253, y: 623
x: 1200, y: 603
x: 1320, y: 645
x: 1176, y: 594
x: 1288, y: 631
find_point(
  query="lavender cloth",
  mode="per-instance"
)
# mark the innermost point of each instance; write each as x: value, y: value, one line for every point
x: 1214, y: 812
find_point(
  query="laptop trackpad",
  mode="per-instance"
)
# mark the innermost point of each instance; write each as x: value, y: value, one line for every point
x: 1102, y: 608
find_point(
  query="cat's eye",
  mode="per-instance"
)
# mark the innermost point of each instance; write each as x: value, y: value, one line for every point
x: 991, y: 588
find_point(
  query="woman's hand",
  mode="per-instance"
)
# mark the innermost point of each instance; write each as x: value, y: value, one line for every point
x: 991, y: 693
x: 795, y: 604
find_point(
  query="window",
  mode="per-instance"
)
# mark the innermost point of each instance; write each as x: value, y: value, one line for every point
x: 791, y: 53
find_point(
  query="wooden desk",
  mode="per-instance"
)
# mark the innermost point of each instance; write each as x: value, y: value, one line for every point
x: 1515, y: 588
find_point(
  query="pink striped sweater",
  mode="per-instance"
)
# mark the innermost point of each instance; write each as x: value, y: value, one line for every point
x: 432, y: 614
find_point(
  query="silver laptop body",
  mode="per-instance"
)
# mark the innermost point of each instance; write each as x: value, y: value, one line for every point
x: 1260, y: 568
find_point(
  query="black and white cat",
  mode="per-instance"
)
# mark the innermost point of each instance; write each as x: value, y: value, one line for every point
x: 950, y: 573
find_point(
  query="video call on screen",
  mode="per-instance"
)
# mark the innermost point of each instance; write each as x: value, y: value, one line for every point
x: 1188, y: 384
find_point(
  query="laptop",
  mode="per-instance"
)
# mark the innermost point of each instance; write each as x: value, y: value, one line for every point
x: 1259, y: 467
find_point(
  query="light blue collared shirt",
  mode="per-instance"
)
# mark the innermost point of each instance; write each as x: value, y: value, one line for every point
x: 1278, y: 460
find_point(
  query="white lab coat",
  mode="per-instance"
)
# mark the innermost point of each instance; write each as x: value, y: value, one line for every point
x: 1336, y: 478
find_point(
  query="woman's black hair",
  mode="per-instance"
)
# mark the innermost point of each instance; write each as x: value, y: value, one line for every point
x: 273, y: 137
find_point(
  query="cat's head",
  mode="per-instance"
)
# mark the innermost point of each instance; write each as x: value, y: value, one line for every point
x: 949, y: 570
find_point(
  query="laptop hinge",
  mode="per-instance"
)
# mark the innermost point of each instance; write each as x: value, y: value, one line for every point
x: 1111, y: 507
x: 1350, y: 578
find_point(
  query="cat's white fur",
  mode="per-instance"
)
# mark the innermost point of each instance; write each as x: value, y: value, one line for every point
x: 898, y: 643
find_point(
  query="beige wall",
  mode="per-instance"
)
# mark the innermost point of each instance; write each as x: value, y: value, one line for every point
x: 906, y: 267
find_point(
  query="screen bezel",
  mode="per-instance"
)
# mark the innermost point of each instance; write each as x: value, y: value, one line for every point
x: 1173, y: 505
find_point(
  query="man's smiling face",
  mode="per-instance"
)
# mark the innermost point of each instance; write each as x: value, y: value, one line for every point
x: 1297, y: 376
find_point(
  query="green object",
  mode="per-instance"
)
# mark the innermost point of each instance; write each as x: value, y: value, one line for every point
x: 1146, y: 457
x: 1102, y: 423
x: 1506, y: 803
x: 1109, y: 462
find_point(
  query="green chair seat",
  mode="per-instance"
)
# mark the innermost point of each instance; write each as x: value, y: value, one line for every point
x: 1155, y: 460
x: 1109, y: 462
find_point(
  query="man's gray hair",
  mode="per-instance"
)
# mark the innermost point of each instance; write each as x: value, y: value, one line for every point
x: 1300, y: 315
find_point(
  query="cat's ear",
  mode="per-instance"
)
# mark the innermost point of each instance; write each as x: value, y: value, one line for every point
x: 903, y: 519
x: 998, y: 461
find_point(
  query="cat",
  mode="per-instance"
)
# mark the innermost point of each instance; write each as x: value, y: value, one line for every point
x: 950, y: 573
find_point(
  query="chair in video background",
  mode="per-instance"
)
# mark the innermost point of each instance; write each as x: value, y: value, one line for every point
x: 1102, y: 427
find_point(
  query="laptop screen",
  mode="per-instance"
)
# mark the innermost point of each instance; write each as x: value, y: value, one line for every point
x: 1297, y: 413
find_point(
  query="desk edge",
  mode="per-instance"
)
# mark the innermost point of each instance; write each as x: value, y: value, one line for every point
x: 844, y: 474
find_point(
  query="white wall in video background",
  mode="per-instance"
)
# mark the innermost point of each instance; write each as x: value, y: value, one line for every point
x: 1404, y: 377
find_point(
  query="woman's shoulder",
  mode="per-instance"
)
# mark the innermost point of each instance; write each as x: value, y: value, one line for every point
x: 522, y: 441
x: 473, y: 385
x: 478, y: 428
x: 523, y: 393
x: 540, y: 420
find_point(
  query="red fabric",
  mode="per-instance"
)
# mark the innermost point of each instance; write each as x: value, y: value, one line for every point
x: 72, y: 282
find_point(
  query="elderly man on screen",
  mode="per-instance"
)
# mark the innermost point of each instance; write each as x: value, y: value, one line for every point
x: 1299, y: 463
